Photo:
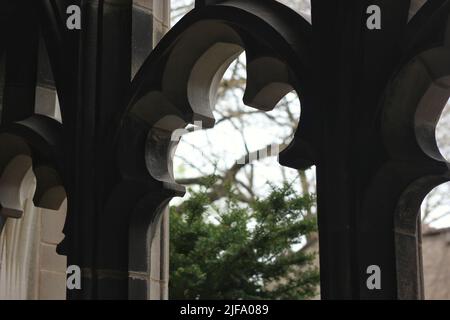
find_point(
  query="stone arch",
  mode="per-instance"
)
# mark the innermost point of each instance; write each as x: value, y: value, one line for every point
x: 30, y: 268
x: 412, y: 107
x: 179, y: 80
x: 31, y: 190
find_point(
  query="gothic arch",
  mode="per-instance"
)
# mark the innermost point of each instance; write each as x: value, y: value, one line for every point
x: 413, y: 137
x: 29, y: 265
x: 178, y: 82
x: 411, y: 107
x: 112, y: 153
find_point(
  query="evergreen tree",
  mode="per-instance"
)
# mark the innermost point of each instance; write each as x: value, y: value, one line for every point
x: 235, y: 251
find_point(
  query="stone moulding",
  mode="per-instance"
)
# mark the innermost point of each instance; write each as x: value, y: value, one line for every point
x: 178, y: 83
x: 370, y: 103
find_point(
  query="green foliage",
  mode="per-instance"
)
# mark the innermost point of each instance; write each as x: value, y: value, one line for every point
x: 235, y: 251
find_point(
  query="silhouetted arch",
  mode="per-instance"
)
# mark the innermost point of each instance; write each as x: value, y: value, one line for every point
x: 179, y: 81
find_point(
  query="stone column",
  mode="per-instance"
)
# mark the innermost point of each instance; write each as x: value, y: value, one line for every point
x: 151, y: 20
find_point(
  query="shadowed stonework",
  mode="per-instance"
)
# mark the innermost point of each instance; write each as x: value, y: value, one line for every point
x: 371, y: 99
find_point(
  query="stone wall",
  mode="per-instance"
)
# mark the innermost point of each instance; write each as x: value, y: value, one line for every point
x: 30, y: 268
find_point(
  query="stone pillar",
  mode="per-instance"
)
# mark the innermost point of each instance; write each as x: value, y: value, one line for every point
x: 147, y: 32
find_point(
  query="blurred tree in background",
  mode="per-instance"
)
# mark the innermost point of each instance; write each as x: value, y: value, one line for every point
x: 242, y: 252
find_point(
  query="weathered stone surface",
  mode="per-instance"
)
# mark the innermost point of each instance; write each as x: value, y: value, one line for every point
x: 364, y: 125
